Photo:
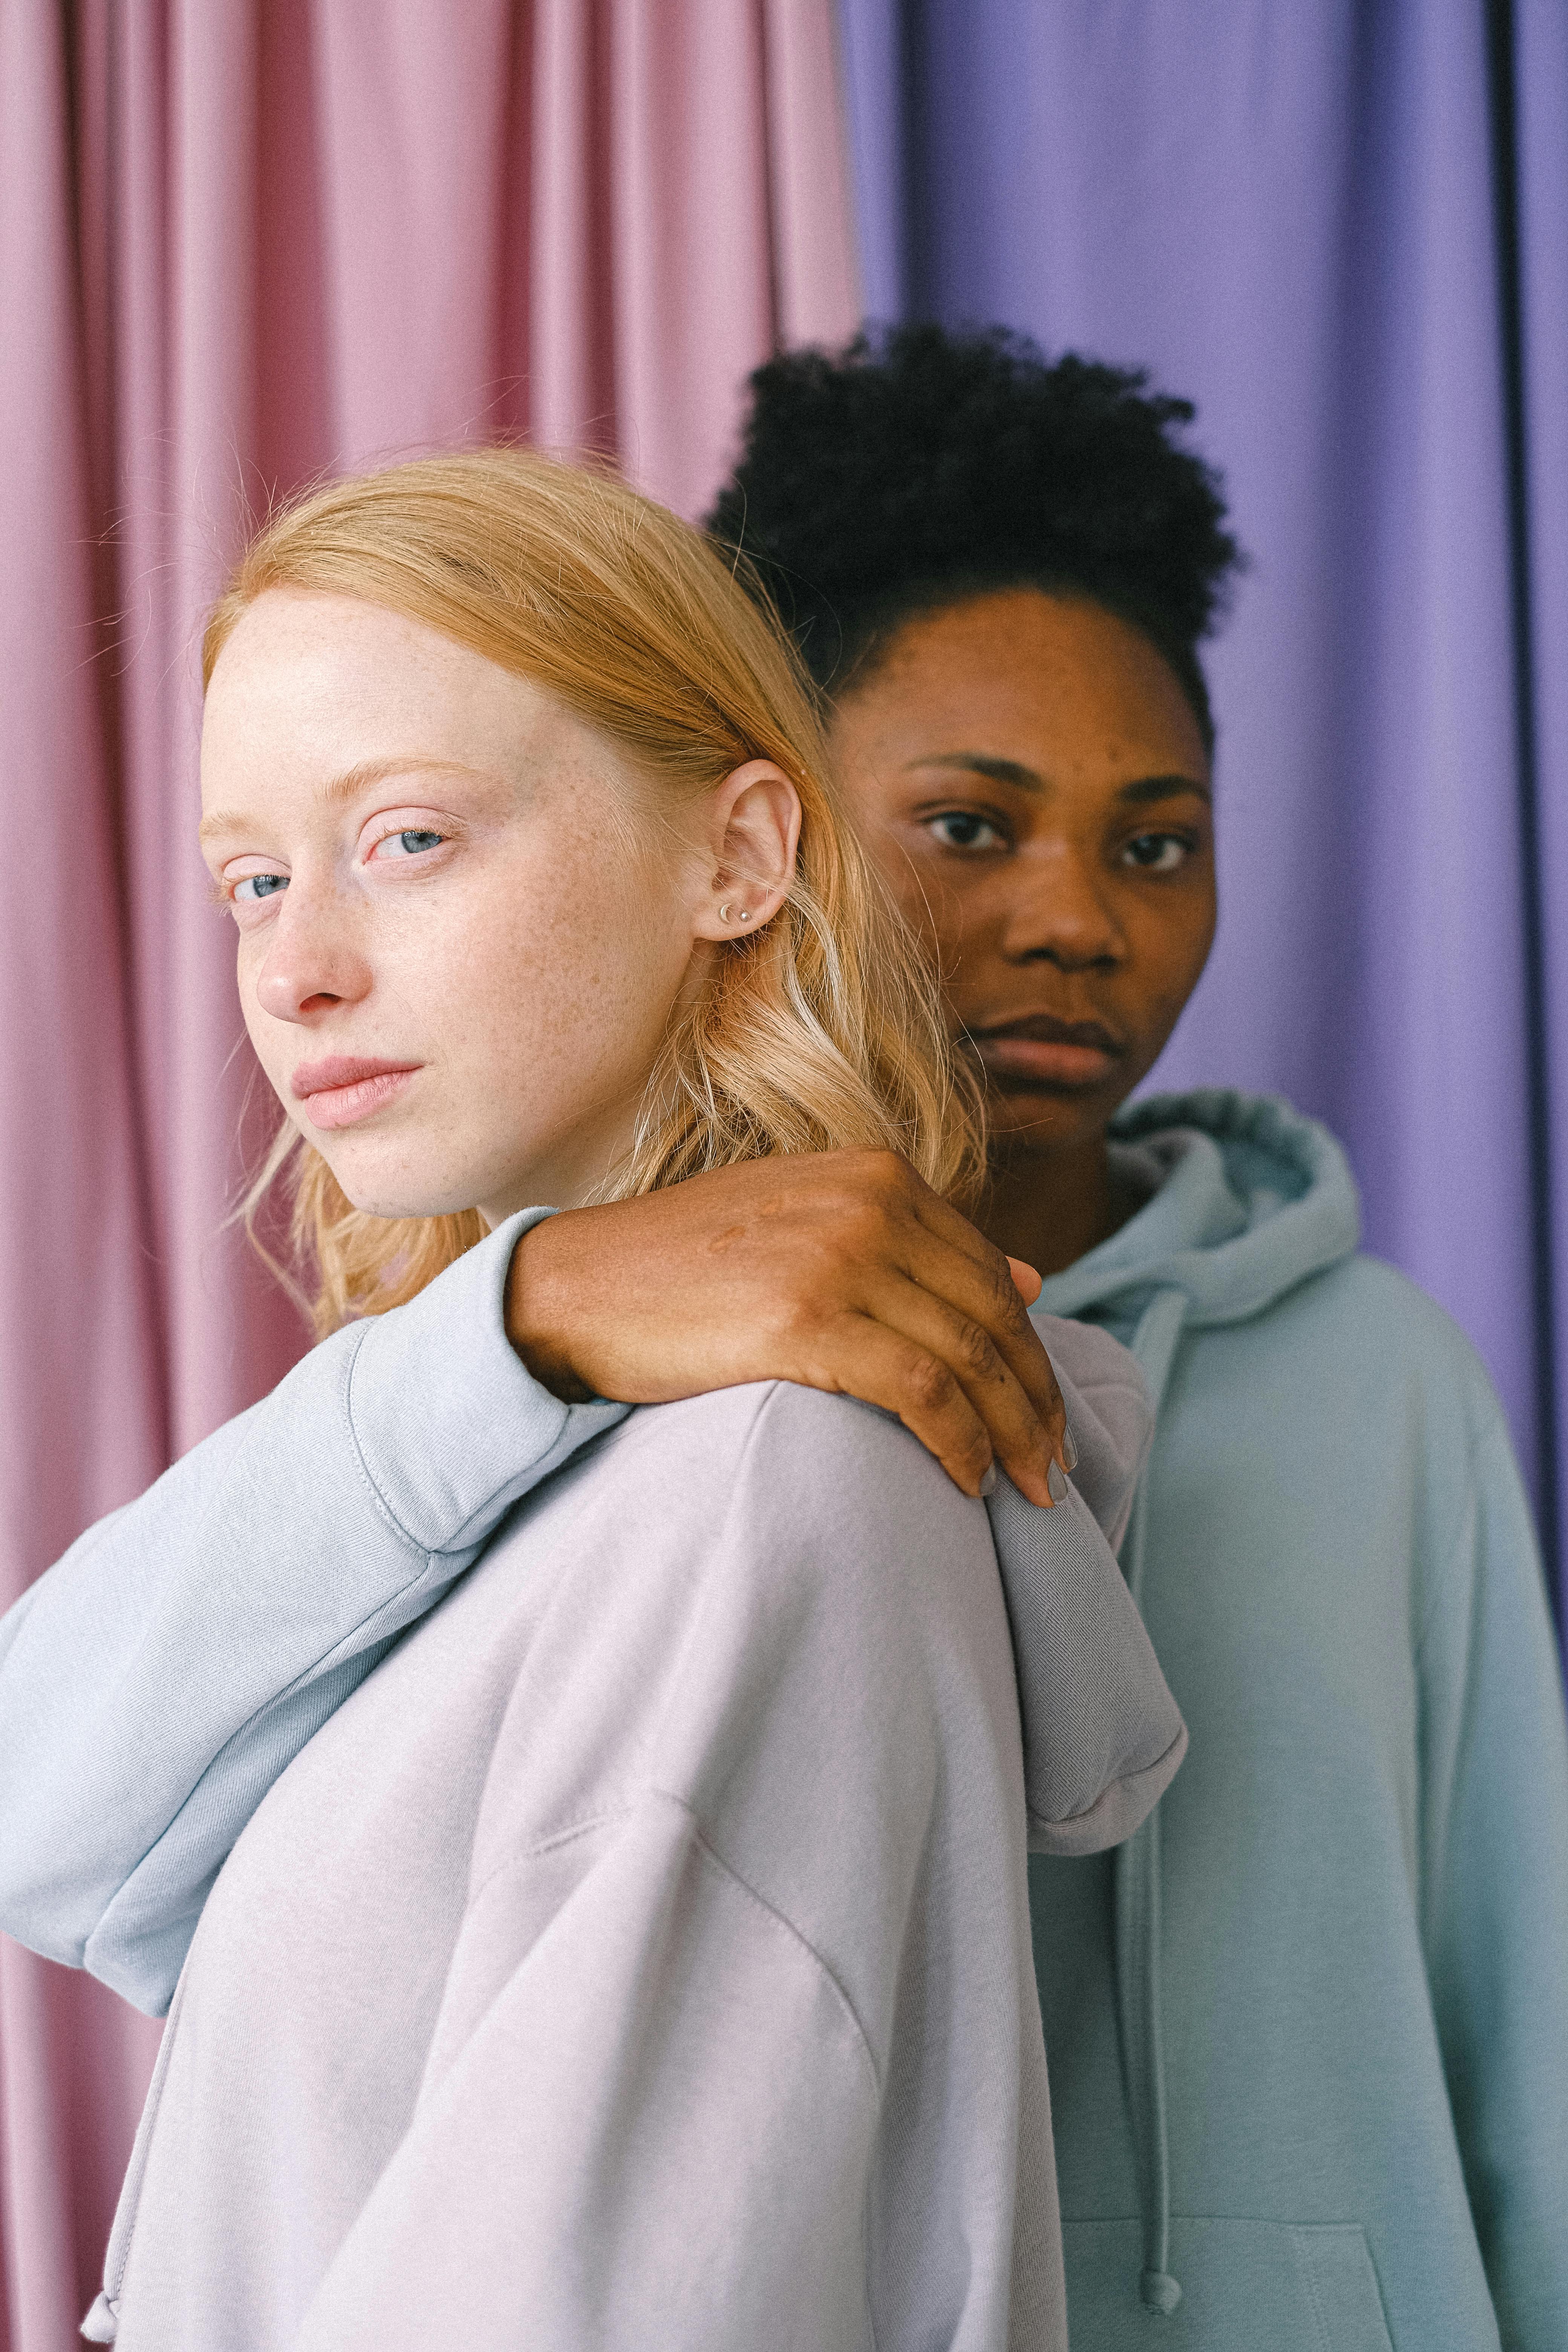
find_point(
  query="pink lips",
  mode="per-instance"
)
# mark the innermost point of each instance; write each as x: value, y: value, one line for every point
x: 345, y: 1088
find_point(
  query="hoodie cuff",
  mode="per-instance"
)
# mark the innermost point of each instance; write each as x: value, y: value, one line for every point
x: 448, y: 1424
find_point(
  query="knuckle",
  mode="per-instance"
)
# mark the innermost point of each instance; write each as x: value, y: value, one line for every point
x: 976, y: 1351
x: 800, y: 1322
x: 884, y: 1174
x: 932, y: 1387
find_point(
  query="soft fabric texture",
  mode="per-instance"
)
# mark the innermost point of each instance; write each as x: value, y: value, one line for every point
x: 641, y: 1954
x: 156, y: 1681
x: 1309, y: 2029
x: 506, y: 1904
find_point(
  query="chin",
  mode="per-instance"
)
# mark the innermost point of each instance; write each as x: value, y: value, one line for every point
x: 1036, y: 1118
x: 403, y: 1190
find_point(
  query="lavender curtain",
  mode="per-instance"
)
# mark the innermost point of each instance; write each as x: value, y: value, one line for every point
x: 1342, y: 229
x: 241, y: 242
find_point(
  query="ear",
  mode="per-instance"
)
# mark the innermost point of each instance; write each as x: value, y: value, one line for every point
x: 754, y: 833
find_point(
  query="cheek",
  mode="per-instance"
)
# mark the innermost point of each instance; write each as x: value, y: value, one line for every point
x: 1188, y: 936
x: 571, y: 963
x: 940, y: 903
x: 1172, y: 951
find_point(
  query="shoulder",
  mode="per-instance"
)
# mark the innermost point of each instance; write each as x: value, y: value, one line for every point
x: 779, y: 1507
x: 817, y: 1456
x: 1383, y: 1334
x: 779, y: 1472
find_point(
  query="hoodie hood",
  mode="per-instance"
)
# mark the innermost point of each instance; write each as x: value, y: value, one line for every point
x: 1247, y: 1198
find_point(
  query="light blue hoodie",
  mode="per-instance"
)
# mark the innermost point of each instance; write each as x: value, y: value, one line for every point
x: 1308, y: 2030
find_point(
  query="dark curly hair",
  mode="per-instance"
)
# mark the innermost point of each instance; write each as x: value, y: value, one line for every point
x: 917, y: 467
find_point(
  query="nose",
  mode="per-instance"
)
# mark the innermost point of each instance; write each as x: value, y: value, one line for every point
x: 1063, y: 915
x: 313, y: 961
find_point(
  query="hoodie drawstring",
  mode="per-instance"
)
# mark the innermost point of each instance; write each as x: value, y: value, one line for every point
x: 1137, y: 1883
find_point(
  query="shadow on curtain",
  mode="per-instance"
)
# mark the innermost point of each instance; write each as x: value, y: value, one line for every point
x: 1343, y: 231
x: 243, y: 242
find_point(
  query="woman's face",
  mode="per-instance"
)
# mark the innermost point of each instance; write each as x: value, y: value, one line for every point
x: 461, y: 934
x: 1033, y: 783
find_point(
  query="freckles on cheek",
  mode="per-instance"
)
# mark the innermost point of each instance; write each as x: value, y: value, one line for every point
x: 557, y: 977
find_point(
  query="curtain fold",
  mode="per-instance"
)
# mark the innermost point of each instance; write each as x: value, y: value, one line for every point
x: 244, y: 243
x: 1537, y: 52
x: 1292, y: 215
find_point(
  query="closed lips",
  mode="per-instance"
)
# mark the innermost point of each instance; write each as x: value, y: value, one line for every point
x: 1044, y: 1052
x: 340, y: 1091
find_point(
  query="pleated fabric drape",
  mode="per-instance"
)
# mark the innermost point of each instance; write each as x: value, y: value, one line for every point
x: 243, y: 243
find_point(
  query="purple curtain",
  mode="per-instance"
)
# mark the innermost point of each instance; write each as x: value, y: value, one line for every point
x: 1342, y: 229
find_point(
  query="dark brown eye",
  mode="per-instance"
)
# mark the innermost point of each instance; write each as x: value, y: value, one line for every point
x: 1158, y: 852
x: 965, y: 829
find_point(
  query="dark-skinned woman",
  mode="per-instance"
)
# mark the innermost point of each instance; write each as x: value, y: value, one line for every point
x: 1308, y: 2029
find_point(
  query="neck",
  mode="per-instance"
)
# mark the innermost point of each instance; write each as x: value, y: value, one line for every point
x: 1047, y: 1207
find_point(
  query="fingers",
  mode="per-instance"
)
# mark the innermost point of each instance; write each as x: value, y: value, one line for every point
x: 882, y: 1366
x: 949, y: 1259
x: 1021, y: 1440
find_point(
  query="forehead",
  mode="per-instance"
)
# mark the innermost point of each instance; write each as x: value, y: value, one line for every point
x: 1058, y: 685
x: 309, y: 685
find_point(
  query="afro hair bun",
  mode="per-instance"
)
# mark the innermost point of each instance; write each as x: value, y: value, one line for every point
x: 918, y: 466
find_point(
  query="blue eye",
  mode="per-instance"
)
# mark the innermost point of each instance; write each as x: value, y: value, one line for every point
x: 965, y: 829
x: 408, y: 843
x: 260, y: 886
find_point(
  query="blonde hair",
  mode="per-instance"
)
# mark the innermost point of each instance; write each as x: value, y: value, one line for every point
x: 823, y: 1029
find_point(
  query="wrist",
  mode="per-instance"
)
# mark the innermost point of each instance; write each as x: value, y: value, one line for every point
x: 537, y: 1306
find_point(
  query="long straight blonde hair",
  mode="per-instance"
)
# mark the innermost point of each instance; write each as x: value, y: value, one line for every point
x: 823, y: 1029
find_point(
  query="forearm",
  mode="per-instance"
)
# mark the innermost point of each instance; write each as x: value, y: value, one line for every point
x: 157, y: 1680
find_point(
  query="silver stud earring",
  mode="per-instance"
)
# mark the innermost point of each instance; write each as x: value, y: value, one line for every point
x: 724, y: 912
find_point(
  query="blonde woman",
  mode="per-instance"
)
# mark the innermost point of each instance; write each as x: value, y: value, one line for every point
x: 640, y: 1954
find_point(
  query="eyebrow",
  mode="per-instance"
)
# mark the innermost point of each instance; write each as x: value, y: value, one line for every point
x: 346, y: 787
x: 1138, y: 794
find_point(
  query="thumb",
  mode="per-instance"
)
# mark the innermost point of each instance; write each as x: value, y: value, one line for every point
x: 1026, y: 1281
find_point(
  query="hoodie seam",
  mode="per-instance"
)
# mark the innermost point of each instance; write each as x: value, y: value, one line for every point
x: 554, y: 1840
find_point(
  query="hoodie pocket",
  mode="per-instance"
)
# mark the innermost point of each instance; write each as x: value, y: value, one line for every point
x: 1247, y: 2286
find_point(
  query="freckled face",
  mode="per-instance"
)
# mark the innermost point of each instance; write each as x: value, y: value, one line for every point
x: 1032, y: 780
x: 456, y: 955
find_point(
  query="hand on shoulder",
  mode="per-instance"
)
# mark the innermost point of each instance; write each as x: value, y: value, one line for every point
x: 840, y: 1271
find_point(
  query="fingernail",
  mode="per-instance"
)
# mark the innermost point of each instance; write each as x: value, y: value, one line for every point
x: 1055, y: 1483
x: 988, y: 1484
x: 1069, y: 1451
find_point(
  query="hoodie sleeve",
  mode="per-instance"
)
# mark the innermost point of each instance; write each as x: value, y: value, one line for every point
x: 156, y: 1681
x: 1495, y: 1892
x: 1103, y: 1736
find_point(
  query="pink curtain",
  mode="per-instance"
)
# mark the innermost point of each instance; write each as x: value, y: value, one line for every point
x: 243, y: 242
